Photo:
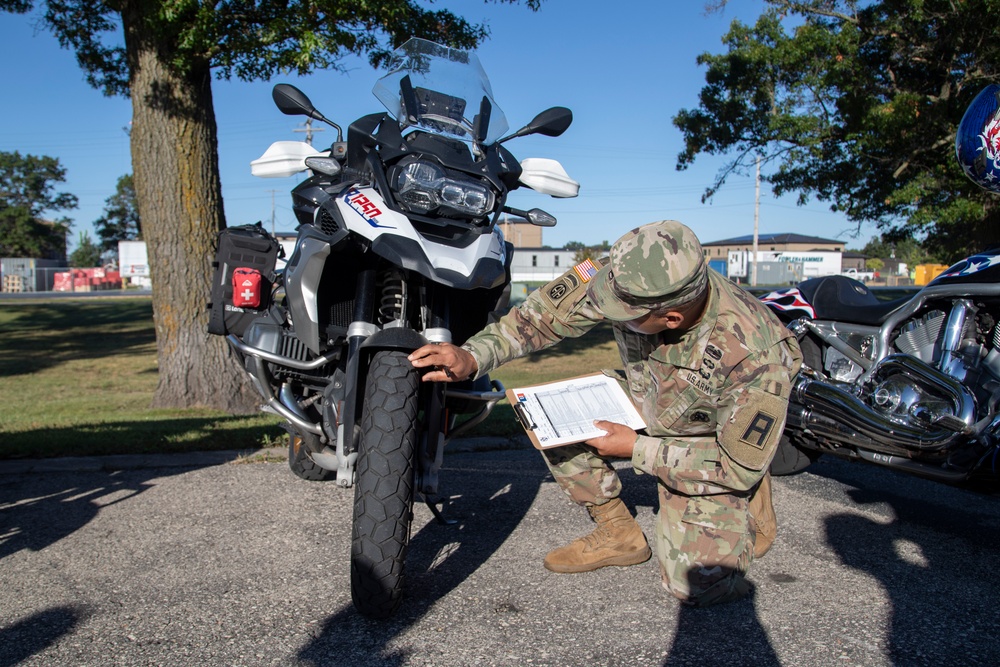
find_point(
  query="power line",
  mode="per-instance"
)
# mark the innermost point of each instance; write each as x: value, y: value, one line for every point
x: 309, y: 129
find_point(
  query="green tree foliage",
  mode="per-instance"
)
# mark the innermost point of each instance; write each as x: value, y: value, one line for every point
x: 120, y: 221
x: 87, y: 253
x: 27, y: 199
x: 856, y: 104
x: 907, y: 250
x: 162, y: 54
x: 583, y: 252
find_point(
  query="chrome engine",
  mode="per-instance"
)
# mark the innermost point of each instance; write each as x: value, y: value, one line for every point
x: 919, y: 337
x: 907, y: 406
x: 921, y: 399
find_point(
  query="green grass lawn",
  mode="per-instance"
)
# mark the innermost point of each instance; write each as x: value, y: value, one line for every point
x: 77, y: 377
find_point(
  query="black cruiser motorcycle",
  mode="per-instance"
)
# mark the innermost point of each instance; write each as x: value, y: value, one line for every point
x: 398, y: 246
x: 911, y: 384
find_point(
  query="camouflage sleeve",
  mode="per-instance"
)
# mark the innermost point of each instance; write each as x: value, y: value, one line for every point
x: 559, y: 310
x: 751, y: 417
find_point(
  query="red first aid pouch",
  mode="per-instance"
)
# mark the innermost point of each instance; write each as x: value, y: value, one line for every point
x: 245, y: 259
x: 246, y: 287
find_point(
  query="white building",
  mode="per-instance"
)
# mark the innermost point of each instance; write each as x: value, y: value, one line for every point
x: 539, y: 265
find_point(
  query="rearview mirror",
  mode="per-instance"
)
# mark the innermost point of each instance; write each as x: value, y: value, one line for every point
x: 551, y: 123
x: 540, y: 218
x: 292, y: 101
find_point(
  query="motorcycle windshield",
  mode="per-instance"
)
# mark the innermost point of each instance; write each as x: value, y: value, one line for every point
x: 441, y: 90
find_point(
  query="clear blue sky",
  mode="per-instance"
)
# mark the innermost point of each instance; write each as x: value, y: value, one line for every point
x: 624, y: 68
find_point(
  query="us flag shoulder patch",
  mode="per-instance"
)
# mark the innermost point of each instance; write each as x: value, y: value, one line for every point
x: 586, y: 270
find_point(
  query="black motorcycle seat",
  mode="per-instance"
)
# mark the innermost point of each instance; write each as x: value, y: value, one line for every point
x: 846, y: 300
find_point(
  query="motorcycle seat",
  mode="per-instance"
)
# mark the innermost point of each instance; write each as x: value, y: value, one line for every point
x: 847, y: 300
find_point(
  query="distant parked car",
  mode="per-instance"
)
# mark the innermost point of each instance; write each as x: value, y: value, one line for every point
x: 863, y: 276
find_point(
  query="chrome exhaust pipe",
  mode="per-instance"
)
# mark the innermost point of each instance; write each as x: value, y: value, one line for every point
x: 829, y: 412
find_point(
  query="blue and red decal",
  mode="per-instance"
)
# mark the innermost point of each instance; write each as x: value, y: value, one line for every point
x: 365, y: 207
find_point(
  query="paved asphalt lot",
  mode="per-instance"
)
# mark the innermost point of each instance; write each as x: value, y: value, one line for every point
x: 186, y: 561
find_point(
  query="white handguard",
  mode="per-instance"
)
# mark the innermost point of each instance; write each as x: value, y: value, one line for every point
x: 283, y: 159
x: 548, y: 177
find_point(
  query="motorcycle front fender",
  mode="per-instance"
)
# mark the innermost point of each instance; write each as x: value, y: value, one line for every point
x: 399, y: 338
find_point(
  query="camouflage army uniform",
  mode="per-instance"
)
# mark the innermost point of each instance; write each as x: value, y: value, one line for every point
x: 714, y: 399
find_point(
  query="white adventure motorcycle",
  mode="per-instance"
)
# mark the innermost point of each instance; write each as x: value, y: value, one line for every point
x: 398, y: 246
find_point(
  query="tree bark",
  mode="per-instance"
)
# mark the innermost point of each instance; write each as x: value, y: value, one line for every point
x: 179, y: 196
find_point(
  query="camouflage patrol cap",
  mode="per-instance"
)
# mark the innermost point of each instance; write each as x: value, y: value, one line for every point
x: 653, y: 267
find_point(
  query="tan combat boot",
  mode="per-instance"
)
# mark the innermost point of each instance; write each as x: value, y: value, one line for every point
x: 617, y: 540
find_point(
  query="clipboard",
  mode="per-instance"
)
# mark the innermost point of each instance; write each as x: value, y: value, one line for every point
x: 562, y: 412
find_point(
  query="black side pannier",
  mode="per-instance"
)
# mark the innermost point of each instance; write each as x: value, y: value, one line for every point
x: 246, y: 255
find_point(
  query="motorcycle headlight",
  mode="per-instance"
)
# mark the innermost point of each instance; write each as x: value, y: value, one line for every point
x: 424, y: 187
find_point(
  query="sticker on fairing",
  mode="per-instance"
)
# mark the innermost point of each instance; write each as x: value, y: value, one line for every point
x: 365, y: 207
x: 788, y: 299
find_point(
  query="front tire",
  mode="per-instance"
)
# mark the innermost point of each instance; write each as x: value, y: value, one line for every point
x: 789, y: 459
x: 383, y: 496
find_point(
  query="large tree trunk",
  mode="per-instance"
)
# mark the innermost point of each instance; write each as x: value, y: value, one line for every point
x: 179, y: 195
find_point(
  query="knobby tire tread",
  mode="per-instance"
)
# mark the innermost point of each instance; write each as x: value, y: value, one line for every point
x: 383, y: 496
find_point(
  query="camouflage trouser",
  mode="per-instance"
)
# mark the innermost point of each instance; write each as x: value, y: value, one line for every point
x: 704, y: 543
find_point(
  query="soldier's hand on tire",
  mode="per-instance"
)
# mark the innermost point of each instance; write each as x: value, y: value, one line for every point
x: 447, y: 362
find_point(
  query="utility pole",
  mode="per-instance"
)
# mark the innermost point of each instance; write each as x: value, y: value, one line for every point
x: 756, y: 222
x: 309, y: 129
x: 272, y: 211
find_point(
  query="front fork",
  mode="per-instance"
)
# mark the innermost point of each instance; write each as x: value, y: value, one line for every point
x: 364, y: 338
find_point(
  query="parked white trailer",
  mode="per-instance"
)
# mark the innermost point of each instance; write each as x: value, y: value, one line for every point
x: 814, y: 263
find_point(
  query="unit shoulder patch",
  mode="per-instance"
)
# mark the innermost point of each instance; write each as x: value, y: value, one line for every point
x: 751, y: 435
x: 567, y: 288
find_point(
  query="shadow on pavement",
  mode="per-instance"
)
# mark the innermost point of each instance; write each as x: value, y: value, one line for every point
x: 27, y: 637
x: 934, y: 554
x: 53, y: 508
x: 38, y: 510
x: 729, y: 634
x: 439, y: 559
